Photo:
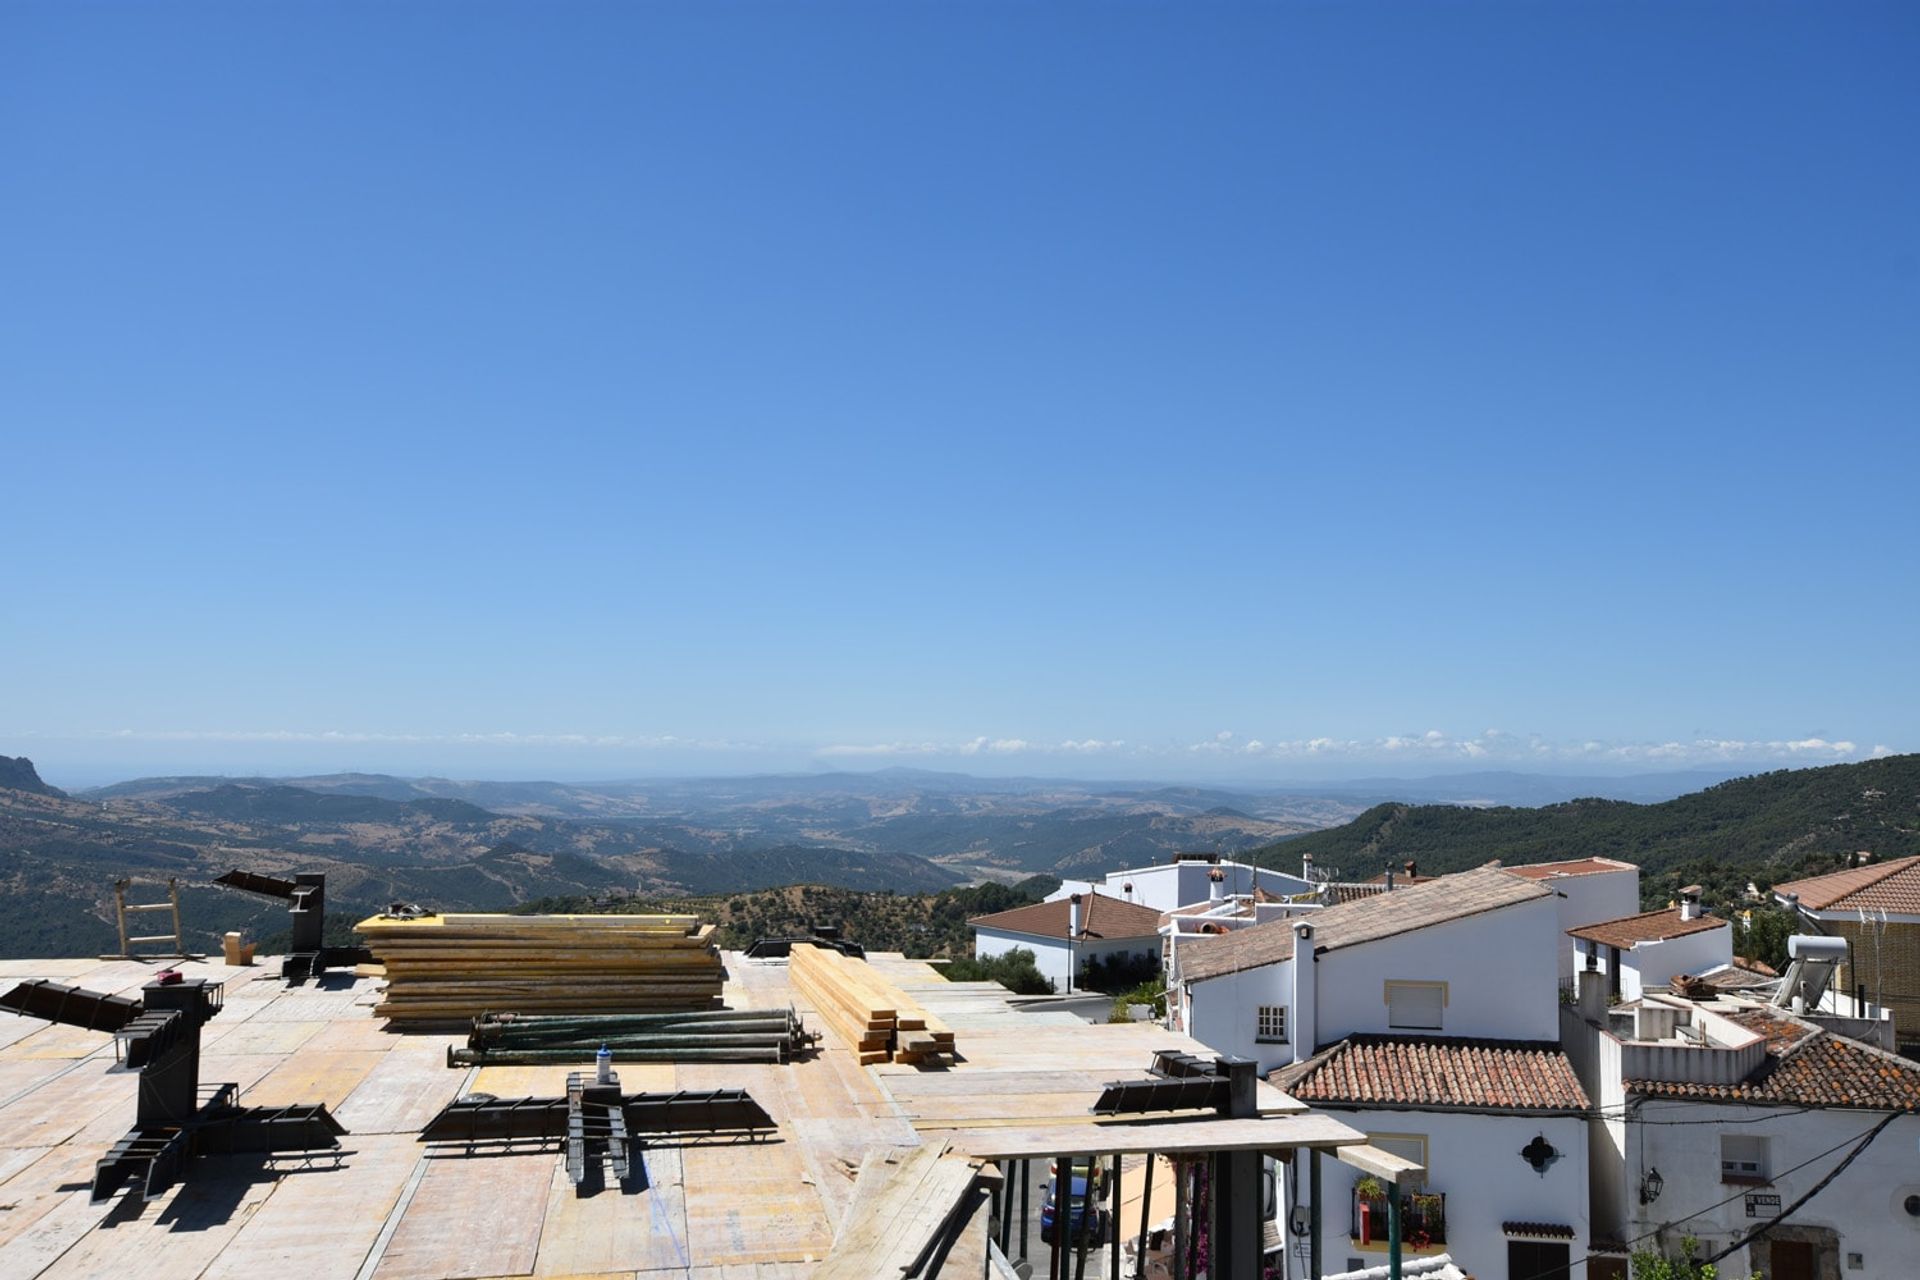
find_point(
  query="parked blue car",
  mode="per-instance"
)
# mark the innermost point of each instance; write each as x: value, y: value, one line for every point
x: 1085, y: 1222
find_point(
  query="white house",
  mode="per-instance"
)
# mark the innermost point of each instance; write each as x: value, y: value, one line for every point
x: 1065, y: 933
x: 1591, y: 890
x: 1430, y: 1016
x: 1641, y: 952
x: 1448, y: 956
x: 1500, y: 1126
x: 1185, y: 881
x: 1721, y: 1116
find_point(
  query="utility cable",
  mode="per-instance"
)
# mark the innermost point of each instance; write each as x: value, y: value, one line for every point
x: 1865, y: 1142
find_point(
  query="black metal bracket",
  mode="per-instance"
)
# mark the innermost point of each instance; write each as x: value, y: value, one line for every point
x: 307, y: 956
x: 596, y: 1123
x: 159, y: 1036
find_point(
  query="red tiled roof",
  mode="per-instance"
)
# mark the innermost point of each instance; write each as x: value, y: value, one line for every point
x: 1439, y: 1072
x: 1100, y: 917
x: 1382, y: 915
x: 1648, y: 926
x: 1807, y: 1067
x: 1576, y: 867
x: 1879, y: 886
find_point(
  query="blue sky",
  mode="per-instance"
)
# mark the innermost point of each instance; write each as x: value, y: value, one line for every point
x: 607, y: 390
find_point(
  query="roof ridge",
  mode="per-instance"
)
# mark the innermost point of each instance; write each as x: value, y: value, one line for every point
x: 1873, y: 872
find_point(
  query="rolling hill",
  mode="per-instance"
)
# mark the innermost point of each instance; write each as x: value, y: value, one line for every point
x: 1765, y: 828
x: 60, y: 856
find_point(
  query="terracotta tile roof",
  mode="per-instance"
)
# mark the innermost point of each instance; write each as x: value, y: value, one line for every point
x: 1648, y: 926
x: 1439, y: 1072
x: 1808, y: 1067
x: 1347, y: 924
x: 1100, y: 917
x: 1577, y: 867
x: 1879, y: 886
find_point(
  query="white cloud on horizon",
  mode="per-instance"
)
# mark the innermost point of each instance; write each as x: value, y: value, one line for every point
x: 1488, y: 748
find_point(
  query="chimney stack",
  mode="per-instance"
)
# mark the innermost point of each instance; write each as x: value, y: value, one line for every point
x: 1216, y: 885
x: 1073, y: 918
x: 1389, y: 877
x: 1690, y: 902
x: 1592, y: 993
x: 1410, y: 865
x: 1306, y: 867
x: 1126, y: 890
x: 1302, y: 1021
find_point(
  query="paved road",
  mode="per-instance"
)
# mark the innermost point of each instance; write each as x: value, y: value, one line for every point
x: 1098, y: 1258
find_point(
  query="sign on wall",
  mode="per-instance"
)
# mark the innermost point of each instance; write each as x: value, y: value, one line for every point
x: 1762, y: 1205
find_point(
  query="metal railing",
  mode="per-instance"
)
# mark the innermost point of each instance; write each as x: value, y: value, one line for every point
x: 1423, y: 1218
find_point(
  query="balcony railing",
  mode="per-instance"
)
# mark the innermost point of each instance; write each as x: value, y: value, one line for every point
x: 1423, y: 1219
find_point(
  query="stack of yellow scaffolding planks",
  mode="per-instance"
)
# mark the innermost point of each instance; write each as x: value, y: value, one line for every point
x: 877, y: 1021
x: 443, y: 968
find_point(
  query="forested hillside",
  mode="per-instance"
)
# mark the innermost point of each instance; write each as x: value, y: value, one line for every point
x: 1766, y: 828
x: 920, y: 924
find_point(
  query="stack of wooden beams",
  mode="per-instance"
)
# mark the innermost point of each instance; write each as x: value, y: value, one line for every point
x: 876, y: 1020
x: 444, y: 968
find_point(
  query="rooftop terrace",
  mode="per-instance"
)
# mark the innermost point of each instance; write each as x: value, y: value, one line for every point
x: 388, y: 1207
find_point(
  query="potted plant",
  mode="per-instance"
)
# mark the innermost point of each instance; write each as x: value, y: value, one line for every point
x: 1368, y: 1190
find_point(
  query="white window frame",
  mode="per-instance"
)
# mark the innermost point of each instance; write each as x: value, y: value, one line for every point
x: 1264, y: 1016
x: 1748, y: 1162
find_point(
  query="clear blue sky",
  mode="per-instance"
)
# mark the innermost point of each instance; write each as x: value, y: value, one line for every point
x: 615, y: 389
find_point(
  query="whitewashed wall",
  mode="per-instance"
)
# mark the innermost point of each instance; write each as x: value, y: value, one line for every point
x: 1500, y: 982
x: 1051, y: 955
x: 1475, y: 1160
x: 1222, y: 1013
x: 1500, y: 985
x: 1864, y: 1205
x: 1652, y: 964
x: 1590, y: 899
x: 1182, y: 884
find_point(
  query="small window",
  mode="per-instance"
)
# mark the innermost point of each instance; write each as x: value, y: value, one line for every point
x: 1415, y: 1006
x: 1272, y: 1026
x: 1742, y: 1158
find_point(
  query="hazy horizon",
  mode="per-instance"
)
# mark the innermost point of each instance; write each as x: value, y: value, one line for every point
x: 61, y: 772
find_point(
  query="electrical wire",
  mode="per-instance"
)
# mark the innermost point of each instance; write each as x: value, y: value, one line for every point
x: 1867, y: 1135
x: 1812, y: 1191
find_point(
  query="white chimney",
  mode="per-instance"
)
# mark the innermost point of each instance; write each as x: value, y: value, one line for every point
x: 1690, y: 902
x: 1306, y: 866
x: 1126, y: 890
x: 1216, y: 885
x: 1302, y: 1021
x: 1073, y: 918
x: 1592, y: 993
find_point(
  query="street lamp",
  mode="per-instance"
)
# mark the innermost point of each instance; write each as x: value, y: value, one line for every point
x: 1651, y: 1186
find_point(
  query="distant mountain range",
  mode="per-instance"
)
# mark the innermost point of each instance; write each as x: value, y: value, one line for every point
x: 1764, y: 829
x: 490, y: 845
x: 482, y: 845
